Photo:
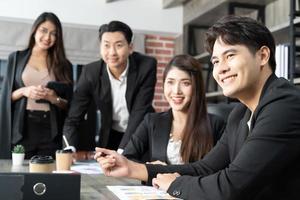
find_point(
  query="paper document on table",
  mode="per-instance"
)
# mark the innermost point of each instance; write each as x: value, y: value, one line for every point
x: 139, y: 193
x: 87, y: 168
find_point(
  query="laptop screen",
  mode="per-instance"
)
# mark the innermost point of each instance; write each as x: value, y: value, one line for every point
x: 41, y: 186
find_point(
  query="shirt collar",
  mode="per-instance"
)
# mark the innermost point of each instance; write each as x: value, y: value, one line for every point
x: 122, y: 76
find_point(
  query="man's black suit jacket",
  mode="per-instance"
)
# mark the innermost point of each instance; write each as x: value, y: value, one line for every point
x: 260, y: 164
x: 150, y: 141
x: 94, y: 85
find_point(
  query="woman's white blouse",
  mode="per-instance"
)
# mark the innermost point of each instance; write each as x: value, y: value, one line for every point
x: 173, y: 152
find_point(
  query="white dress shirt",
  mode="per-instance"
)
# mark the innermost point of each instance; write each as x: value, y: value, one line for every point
x: 120, y: 114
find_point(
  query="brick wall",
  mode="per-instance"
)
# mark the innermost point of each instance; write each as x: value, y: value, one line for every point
x: 162, y: 48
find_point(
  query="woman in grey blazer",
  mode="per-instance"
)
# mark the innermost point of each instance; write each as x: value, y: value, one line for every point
x: 186, y: 132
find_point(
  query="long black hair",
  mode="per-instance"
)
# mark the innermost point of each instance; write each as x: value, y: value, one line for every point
x: 56, y: 59
x: 197, y: 137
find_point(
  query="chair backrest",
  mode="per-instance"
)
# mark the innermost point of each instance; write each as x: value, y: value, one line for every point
x: 221, y: 109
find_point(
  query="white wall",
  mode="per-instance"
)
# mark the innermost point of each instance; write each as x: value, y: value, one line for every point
x: 81, y: 42
x: 141, y: 15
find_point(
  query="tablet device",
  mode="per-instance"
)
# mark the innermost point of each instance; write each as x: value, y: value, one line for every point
x: 59, y: 88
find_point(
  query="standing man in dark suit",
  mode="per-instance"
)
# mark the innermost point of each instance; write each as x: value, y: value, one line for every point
x: 258, y: 155
x: 121, y: 85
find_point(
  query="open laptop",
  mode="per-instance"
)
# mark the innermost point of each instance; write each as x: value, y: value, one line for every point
x: 39, y: 186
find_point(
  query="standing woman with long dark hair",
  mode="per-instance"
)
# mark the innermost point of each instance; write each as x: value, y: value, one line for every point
x: 186, y: 132
x: 32, y: 111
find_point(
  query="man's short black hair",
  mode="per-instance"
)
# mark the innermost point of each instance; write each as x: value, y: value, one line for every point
x: 234, y: 30
x: 116, y: 26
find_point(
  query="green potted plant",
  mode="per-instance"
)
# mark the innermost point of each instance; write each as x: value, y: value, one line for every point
x: 18, y: 154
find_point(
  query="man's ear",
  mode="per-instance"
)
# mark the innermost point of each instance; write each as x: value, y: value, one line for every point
x: 130, y: 48
x: 264, y: 54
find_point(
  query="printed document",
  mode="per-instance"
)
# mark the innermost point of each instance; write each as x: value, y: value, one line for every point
x: 139, y: 193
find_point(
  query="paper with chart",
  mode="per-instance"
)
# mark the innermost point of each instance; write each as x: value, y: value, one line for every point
x: 87, y: 168
x: 139, y: 193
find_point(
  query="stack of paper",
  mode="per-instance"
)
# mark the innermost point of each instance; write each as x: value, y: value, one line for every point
x: 139, y: 193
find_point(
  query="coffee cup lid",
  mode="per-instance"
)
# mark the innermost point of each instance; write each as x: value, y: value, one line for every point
x: 64, y: 151
x: 41, y: 159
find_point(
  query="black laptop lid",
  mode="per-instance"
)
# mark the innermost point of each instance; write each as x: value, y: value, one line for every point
x: 39, y: 186
x: 11, y: 186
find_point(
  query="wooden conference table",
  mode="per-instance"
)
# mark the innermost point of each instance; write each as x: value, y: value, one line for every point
x: 93, y: 186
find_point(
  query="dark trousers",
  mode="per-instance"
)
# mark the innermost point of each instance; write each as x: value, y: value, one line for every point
x: 37, y: 135
x: 114, y: 139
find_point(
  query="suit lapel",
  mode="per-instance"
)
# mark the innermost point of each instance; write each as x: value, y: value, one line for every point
x: 21, y: 63
x: 243, y: 131
x: 131, y: 82
x: 104, y: 103
x: 161, y: 136
x: 105, y: 91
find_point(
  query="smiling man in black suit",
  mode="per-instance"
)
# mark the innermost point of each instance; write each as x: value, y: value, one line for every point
x: 258, y: 155
x: 121, y: 85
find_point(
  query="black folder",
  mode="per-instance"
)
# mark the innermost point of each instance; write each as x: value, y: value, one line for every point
x: 59, y: 88
x: 39, y: 186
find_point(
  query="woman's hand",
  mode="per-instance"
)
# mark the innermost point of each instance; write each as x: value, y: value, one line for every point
x: 163, y: 181
x: 39, y: 92
x: 50, y: 95
x: 34, y: 92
